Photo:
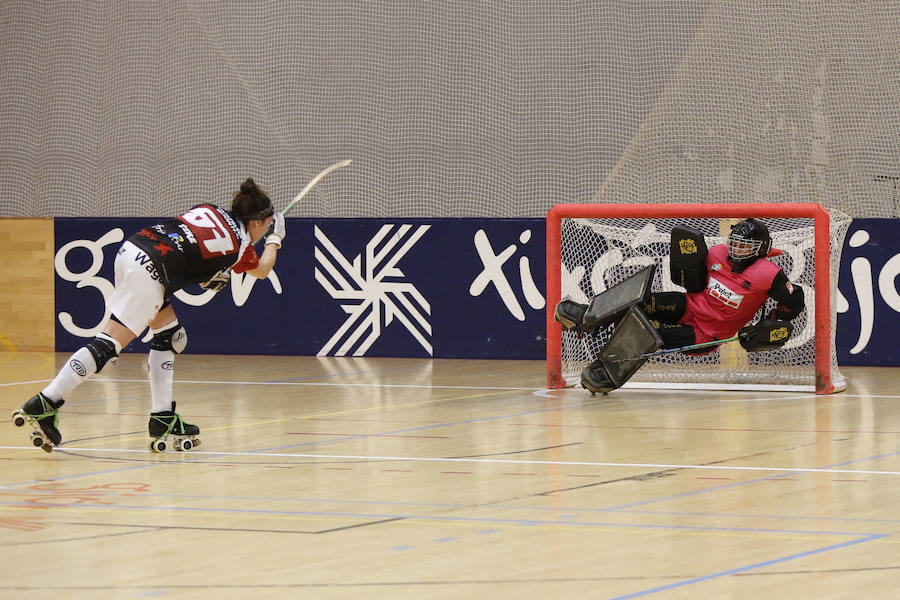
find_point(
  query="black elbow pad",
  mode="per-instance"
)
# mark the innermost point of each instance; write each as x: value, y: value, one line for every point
x: 789, y: 306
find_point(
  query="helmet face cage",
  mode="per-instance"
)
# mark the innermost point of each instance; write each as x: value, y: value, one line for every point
x: 742, y: 247
x: 748, y: 241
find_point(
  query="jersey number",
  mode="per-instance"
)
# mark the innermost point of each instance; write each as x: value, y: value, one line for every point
x: 214, y: 236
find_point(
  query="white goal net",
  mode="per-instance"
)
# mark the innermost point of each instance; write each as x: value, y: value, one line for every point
x: 597, y: 253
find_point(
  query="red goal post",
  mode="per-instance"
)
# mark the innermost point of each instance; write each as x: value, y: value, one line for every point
x: 822, y: 250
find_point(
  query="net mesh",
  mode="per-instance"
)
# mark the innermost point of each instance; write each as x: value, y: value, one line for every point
x: 458, y: 109
x: 598, y: 253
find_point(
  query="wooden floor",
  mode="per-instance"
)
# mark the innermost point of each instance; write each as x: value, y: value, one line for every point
x: 388, y: 478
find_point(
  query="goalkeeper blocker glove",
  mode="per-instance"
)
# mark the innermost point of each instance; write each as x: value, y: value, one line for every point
x: 768, y: 334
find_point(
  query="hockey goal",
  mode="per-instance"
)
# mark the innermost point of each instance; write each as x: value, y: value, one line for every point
x: 591, y: 247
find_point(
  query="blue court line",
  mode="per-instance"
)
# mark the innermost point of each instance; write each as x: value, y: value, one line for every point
x: 502, y: 507
x: 751, y: 567
x: 684, y: 513
x: 76, y: 476
x: 411, y: 429
x: 108, y: 492
x: 742, y: 516
x: 444, y: 518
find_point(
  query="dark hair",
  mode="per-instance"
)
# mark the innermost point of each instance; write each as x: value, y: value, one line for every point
x: 251, y: 203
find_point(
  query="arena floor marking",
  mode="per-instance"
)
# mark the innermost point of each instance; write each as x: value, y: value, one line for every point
x: 499, y: 461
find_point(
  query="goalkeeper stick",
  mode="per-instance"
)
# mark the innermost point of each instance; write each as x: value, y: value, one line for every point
x: 682, y: 349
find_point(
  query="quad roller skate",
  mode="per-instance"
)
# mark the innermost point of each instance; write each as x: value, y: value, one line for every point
x: 168, y: 425
x: 42, y: 415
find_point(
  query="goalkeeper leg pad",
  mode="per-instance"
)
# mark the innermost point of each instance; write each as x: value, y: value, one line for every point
x: 621, y: 357
x: 687, y: 258
x: 609, y: 306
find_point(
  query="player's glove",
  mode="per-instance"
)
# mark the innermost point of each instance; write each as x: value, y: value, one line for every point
x: 768, y: 334
x: 218, y: 281
x: 277, y: 230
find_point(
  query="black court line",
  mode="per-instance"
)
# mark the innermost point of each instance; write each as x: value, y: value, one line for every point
x: 81, y: 538
x: 445, y: 582
x: 228, y: 529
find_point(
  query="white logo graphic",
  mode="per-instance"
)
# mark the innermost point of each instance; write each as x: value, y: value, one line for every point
x: 87, y: 278
x: 493, y: 273
x: 368, y: 292
x: 241, y: 285
x: 723, y: 294
x: 861, y: 272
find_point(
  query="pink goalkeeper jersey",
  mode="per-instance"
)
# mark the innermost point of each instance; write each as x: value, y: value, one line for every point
x: 730, y: 299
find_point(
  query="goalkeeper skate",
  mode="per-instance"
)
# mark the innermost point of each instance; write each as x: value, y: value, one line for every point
x: 42, y: 415
x: 569, y: 314
x: 168, y: 426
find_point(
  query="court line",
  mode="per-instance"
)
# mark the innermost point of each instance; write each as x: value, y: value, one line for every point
x: 189, y: 460
x: 25, y: 382
x: 329, y: 384
x: 431, y: 517
x: 52, y: 491
x: 427, y: 459
x: 536, y: 390
x: 825, y: 469
x: 745, y: 568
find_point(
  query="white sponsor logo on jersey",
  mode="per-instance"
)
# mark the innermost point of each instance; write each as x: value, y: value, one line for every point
x: 723, y: 293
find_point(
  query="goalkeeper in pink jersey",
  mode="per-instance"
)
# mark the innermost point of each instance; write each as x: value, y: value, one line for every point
x: 726, y: 286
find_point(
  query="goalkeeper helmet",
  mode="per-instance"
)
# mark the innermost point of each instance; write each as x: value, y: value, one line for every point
x: 749, y: 240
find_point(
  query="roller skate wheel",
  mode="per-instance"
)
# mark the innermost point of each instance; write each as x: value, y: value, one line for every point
x: 158, y: 446
x: 186, y: 445
x: 18, y: 419
x: 37, y: 439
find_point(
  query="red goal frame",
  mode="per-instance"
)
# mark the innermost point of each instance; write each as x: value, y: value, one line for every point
x: 822, y: 220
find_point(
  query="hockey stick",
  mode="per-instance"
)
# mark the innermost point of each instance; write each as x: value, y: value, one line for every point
x: 313, y: 182
x: 296, y: 199
x: 682, y: 349
x: 310, y: 185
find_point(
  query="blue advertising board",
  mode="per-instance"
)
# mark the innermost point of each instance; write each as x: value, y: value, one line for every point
x: 442, y: 288
x: 868, y: 324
